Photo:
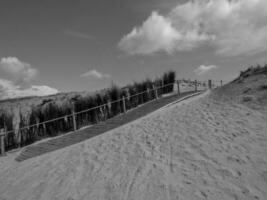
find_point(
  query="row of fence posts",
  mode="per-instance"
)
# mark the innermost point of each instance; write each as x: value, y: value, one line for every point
x: 74, y: 115
x: 178, y: 86
x: 2, y: 131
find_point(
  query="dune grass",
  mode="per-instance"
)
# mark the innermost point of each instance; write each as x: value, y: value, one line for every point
x: 108, y: 103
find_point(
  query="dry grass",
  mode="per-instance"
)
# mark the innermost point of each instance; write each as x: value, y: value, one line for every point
x: 21, y: 112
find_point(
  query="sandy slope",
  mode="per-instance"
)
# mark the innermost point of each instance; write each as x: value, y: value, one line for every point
x: 203, y: 148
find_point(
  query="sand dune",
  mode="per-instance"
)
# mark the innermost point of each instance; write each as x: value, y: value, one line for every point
x: 202, y: 148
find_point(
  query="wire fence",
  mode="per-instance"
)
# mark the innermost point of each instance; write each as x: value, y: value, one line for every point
x: 76, y: 120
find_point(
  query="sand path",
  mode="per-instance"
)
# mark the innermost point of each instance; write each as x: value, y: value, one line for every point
x: 202, y: 148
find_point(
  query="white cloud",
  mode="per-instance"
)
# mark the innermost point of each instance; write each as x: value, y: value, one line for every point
x: 9, y: 89
x: 236, y: 27
x: 95, y: 74
x: 20, y: 72
x: 203, y: 69
x: 155, y: 34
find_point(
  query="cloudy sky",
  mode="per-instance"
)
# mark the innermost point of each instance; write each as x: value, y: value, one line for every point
x: 63, y: 45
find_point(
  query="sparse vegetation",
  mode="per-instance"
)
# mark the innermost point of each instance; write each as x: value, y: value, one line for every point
x: 252, y: 70
x: 108, y: 105
x: 249, y: 88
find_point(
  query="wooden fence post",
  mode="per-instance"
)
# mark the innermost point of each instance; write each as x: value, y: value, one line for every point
x: 124, y: 105
x: 2, y: 138
x: 19, y: 134
x: 74, y: 118
x: 210, y: 85
x: 156, y: 92
x: 178, y: 87
x: 162, y: 87
x: 148, y: 94
x: 195, y: 85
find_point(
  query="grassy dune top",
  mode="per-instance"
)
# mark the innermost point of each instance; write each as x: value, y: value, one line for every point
x: 250, y: 88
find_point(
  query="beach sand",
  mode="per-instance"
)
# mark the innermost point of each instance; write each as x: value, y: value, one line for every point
x: 205, y: 147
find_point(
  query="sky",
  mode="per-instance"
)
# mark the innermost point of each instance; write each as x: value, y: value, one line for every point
x: 65, y: 45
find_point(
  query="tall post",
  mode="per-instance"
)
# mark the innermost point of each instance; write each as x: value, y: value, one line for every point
x: 19, y: 135
x: 74, y: 117
x: 178, y: 87
x: 162, y: 88
x: 124, y: 105
x: 2, y: 138
x: 221, y: 83
x: 156, y: 92
x: 148, y: 94
x: 210, y: 85
x: 195, y: 85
